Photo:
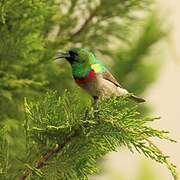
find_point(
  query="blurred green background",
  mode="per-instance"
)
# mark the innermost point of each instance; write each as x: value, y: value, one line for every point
x: 127, y: 35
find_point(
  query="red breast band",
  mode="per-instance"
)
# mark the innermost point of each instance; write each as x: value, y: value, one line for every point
x: 86, y: 79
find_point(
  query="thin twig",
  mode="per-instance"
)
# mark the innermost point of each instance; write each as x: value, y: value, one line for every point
x: 86, y: 23
x: 45, y: 158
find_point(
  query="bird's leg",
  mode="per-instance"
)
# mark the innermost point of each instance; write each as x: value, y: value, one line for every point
x: 96, y: 98
x: 95, y: 103
x: 94, y: 107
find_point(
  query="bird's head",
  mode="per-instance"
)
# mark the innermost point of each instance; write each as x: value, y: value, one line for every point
x: 77, y: 56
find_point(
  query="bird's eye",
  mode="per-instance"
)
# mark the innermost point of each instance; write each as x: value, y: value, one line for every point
x: 72, y: 53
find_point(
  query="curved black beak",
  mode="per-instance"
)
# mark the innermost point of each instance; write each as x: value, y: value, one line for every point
x: 62, y: 55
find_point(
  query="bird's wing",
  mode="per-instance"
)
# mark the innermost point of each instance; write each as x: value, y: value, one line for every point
x: 105, y: 73
x: 108, y: 76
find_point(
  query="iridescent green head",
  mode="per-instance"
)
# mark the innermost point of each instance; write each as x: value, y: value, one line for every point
x: 78, y: 55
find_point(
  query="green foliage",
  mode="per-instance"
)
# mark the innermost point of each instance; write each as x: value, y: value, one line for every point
x: 4, y: 155
x: 23, y: 27
x: 85, y: 134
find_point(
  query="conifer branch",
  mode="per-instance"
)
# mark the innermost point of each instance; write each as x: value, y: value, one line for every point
x: 113, y: 123
x: 47, y: 156
x: 169, y: 165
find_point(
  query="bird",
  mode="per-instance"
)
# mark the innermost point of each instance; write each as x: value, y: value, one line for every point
x: 92, y: 75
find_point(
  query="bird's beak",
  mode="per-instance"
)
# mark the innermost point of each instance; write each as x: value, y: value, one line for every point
x: 62, y: 55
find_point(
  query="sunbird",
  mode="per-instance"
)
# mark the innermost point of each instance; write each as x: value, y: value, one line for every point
x: 91, y: 75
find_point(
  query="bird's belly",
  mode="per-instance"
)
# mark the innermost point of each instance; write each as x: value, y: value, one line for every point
x: 101, y: 87
x: 108, y: 89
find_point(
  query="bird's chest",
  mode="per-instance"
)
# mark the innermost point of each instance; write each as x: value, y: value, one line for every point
x: 98, y: 86
x: 91, y: 83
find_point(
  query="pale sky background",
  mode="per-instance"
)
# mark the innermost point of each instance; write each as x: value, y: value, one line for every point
x: 164, y: 96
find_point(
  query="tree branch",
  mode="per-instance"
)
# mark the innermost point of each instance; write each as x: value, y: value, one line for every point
x: 43, y: 160
x: 169, y: 165
x: 86, y: 23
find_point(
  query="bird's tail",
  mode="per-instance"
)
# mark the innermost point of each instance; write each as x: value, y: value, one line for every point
x: 137, y: 99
